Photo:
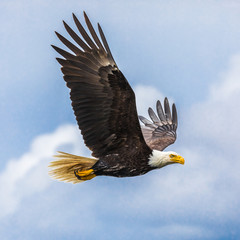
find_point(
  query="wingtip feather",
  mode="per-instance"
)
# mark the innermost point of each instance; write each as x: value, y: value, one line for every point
x: 160, y: 112
x: 167, y: 110
x: 174, y: 115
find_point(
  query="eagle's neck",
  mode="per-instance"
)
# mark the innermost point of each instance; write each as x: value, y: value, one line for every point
x: 158, y: 159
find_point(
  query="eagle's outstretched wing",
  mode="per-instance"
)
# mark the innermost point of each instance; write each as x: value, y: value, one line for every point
x: 102, y: 99
x: 161, y: 132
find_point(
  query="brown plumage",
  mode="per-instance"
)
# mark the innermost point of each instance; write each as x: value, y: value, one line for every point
x: 105, y: 109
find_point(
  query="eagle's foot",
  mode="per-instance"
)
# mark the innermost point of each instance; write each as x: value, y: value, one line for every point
x: 85, y: 175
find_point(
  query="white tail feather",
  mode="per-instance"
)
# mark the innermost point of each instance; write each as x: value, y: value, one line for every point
x: 64, y: 168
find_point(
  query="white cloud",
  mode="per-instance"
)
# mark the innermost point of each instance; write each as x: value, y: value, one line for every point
x: 230, y: 84
x: 28, y: 174
x: 216, y: 119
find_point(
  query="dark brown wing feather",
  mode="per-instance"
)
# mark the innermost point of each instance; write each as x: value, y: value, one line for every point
x: 102, y: 99
x: 161, y: 132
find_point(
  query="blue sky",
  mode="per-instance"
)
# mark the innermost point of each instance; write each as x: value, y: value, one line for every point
x: 188, y: 51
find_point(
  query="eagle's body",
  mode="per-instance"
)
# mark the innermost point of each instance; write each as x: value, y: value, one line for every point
x: 105, y: 109
x: 127, y: 164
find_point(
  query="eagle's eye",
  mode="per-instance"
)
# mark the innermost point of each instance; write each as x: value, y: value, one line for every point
x: 172, y: 155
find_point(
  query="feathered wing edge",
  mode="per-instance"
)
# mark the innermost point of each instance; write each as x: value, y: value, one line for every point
x: 88, y: 45
x: 162, y: 128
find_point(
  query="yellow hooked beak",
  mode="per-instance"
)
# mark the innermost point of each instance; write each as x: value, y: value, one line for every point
x: 177, y: 159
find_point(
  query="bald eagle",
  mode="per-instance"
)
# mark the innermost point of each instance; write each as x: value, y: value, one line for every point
x: 105, y: 109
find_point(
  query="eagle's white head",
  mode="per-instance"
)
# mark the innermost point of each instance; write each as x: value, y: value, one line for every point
x: 160, y: 159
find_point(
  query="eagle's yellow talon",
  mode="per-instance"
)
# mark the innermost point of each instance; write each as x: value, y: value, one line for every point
x: 84, y: 173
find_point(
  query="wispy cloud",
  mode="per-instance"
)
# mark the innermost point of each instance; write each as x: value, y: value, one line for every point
x: 28, y: 174
x: 216, y: 118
